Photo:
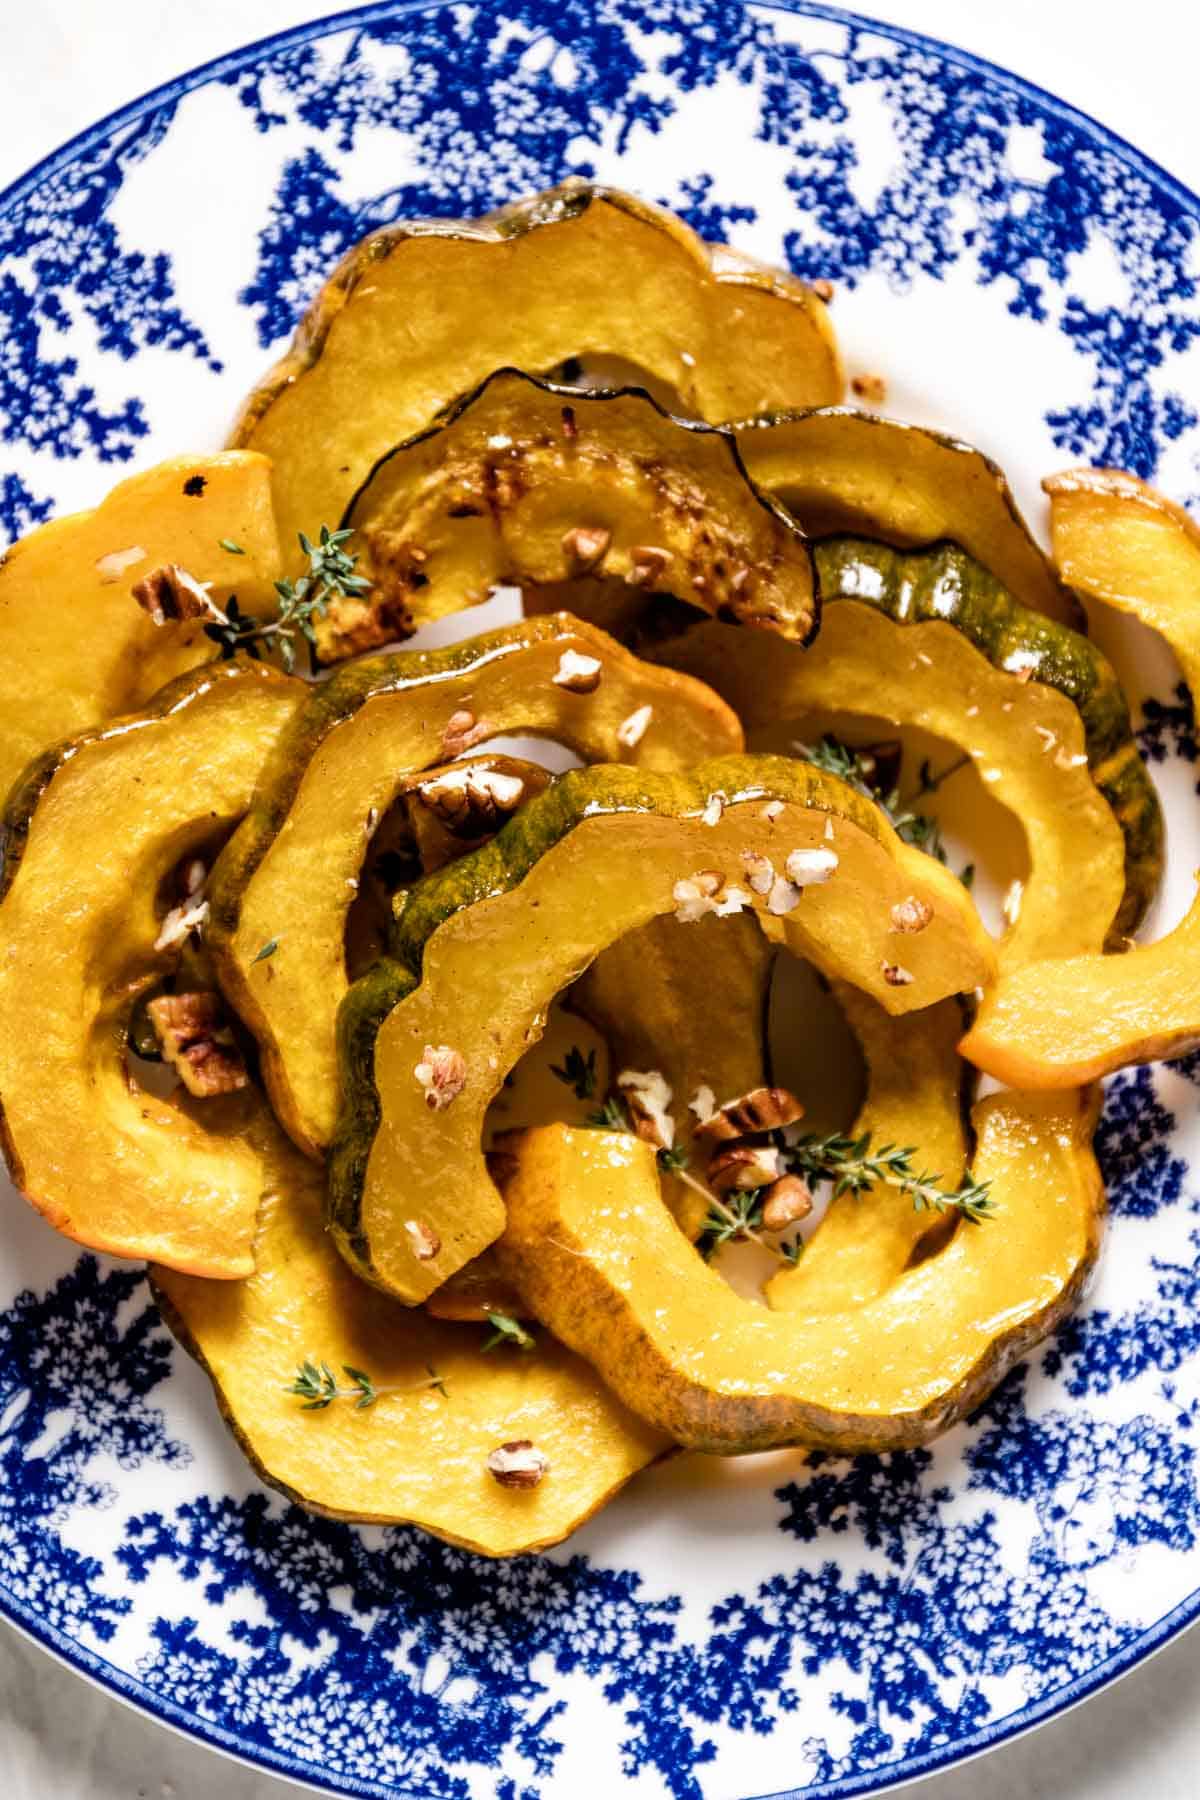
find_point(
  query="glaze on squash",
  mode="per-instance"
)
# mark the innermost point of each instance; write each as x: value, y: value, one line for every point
x: 1074, y: 1019
x: 289, y: 874
x: 481, y: 948
x: 75, y: 647
x: 526, y: 482
x: 599, y: 1259
x: 422, y: 311
x: 94, y: 834
x: 418, y: 1456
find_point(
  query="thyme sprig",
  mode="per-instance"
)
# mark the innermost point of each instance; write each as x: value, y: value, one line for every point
x: 507, y: 1330
x: 856, y: 767
x: 317, y: 1386
x: 853, y: 1166
x: 330, y: 575
x: 577, y: 1072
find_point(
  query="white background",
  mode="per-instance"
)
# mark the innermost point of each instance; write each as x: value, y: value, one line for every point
x: 67, y: 62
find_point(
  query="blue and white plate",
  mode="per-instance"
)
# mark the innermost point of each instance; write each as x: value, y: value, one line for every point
x: 724, y: 1630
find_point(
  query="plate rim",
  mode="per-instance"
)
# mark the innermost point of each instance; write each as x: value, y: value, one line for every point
x: 126, y: 1688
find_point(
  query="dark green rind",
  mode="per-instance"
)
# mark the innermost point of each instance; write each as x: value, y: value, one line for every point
x: 1072, y: 608
x: 498, y: 867
x: 329, y: 705
x: 944, y: 583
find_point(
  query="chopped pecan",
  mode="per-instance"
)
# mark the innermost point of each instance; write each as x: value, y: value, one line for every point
x: 518, y: 1464
x: 585, y: 547
x: 463, y: 731
x: 169, y: 593
x: 911, y: 914
x: 786, y: 1201
x: 632, y: 730
x: 762, y: 1109
x: 741, y: 1166
x: 197, y: 1042
x: 577, y: 673
x: 471, y: 799
x: 425, y: 1243
x: 442, y: 1072
x: 648, y: 1095
x: 896, y: 976
x: 647, y: 564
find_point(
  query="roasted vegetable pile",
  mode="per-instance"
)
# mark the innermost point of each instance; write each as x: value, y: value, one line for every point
x: 492, y: 1127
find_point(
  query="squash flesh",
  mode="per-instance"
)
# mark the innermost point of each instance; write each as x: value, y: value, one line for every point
x: 287, y: 874
x: 495, y: 491
x: 94, y: 836
x: 914, y: 1097
x: 75, y: 647
x: 840, y: 471
x: 500, y: 933
x: 1025, y: 739
x: 418, y: 314
x: 1076, y: 1019
x: 598, y: 1258
x: 689, y: 1001
x: 415, y: 1457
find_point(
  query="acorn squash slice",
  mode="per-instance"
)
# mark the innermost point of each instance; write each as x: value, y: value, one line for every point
x: 600, y: 1261
x: 929, y: 638
x: 289, y: 875
x: 690, y: 1001
x: 421, y: 311
x: 525, y: 481
x: 75, y: 647
x: 841, y: 472
x: 94, y: 835
x: 419, y: 1454
x: 481, y: 948
x: 1076, y: 1018
x: 916, y: 1095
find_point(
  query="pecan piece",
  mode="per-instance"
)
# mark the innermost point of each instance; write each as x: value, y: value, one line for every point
x: 518, y: 1464
x: 169, y: 593
x: 762, y: 1109
x: 197, y: 1042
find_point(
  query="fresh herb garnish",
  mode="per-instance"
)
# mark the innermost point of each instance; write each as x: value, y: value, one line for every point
x: 856, y: 767
x: 853, y: 1166
x: 268, y: 949
x: 229, y: 545
x: 330, y: 575
x: 612, y: 1116
x: 317, y: 1386
x: 507, y: 1330
x: 739, y: 1215
x: 578, y: 1072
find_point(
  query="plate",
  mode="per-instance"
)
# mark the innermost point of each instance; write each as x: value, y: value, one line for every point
x: 789, y: 1623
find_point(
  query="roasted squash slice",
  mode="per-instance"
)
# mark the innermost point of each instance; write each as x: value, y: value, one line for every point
x: 94, y: 835
x: 420, y: 312
x: 1076, y: 1018
x: 525, y: 481
x: 481, y: 949
x: 75, y: 647
x: 599, y: 1259
x: 929, y: 638
x: 915, y: 1096
x: 419, y: 1454
x: 289, y: 876
x: 845, y: 472
x: 691, y: 1002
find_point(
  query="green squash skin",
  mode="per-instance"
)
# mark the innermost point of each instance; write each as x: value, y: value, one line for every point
x: 946, y: 584
x: 329, y: 704
x: 494, y: 869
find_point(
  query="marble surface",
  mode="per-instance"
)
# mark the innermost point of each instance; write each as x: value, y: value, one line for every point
x: 73, y: 60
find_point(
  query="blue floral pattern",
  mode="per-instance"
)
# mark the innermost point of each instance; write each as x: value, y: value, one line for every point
x: 886, y: 1613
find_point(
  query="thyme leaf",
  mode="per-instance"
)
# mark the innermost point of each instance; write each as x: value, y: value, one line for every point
x: 507, y: 1330
x: 330, y: 575
x: 853, y: 1166
x: 577, y: 1072
x: 316, y: 1385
